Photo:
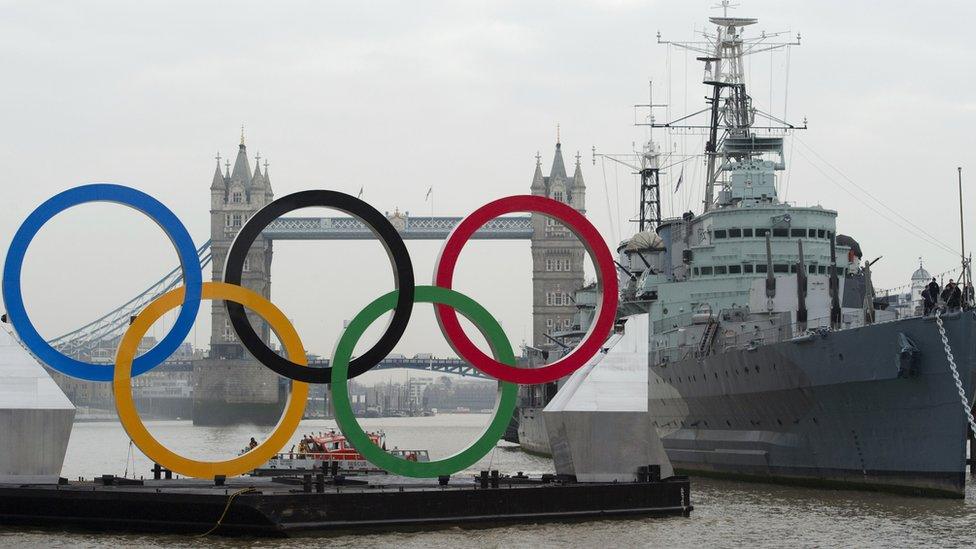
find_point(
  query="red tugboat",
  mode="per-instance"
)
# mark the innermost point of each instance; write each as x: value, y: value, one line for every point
x: 319, y: 450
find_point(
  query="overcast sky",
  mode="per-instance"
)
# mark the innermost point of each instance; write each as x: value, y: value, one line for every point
x: 397, y: 97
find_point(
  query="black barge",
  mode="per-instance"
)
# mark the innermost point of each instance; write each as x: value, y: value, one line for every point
x: 283, y: 506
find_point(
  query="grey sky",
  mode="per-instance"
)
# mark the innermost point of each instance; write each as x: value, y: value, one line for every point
x: 397, y: 97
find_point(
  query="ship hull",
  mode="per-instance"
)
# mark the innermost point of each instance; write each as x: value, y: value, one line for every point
x: 838, y: 410
x: 532, y: 434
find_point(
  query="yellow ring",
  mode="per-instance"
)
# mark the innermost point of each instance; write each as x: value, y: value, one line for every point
x: 129, y: 416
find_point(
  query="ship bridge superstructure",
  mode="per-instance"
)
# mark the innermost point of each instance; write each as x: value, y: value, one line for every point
x: 749, y: 262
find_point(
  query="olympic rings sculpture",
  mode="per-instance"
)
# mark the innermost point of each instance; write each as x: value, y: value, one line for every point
x: 447, y: 303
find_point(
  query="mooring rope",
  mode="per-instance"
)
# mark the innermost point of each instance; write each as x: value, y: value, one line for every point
x: 230, y: 500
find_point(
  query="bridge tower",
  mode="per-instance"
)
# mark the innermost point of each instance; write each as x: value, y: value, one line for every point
x: 557, y: 255
x: 230, y: 386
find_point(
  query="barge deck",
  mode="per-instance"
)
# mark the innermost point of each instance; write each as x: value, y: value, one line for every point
x: 283, y: 506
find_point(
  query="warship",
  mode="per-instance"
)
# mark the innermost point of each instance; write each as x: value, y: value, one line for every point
x: 769, y: 356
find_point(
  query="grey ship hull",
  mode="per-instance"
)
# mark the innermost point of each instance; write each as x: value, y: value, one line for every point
x: 826, y: 411
x: 532, y: 434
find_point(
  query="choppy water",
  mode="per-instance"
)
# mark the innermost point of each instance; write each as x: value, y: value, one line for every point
x: 727, y: 514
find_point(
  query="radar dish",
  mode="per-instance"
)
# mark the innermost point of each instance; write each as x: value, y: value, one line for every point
x: 733, y: 21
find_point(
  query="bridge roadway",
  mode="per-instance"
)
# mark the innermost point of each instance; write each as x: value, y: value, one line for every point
x: 410, y: 228
x: 453, y: 366
x: 111, y: 325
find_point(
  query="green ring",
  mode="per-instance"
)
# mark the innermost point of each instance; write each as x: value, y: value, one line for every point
x: 339, y: 391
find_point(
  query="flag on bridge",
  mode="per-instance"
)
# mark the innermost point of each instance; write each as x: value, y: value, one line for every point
x: 680, y: 177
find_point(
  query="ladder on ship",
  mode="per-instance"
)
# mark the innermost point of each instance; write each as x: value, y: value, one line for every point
x: 708, y: 339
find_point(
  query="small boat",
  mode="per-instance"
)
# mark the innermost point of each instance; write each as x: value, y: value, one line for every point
x: 318, y: 451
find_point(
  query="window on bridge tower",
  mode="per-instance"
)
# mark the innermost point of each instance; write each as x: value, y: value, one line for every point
x: 237, y: 220
x: 557, y: 299
x: 558, y: 195
x: 237, y: 197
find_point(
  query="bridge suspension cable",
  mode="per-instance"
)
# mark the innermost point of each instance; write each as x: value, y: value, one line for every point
x: 84, y: 340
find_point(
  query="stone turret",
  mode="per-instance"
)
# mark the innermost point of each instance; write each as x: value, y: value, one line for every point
x: 538, y: 186
x: 578, y: 187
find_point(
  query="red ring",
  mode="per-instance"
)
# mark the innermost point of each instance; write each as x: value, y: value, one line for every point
x: 606, y: 276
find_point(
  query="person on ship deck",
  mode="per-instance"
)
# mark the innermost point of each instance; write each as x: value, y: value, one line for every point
x: 934, y: 290
x: 927, y: 302
x: 952, y: 296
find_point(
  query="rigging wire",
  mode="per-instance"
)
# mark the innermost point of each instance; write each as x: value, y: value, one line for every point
x: 616, y: 185
x: 939, y: 275
x: 786, y: 98
x: 771, y: 52
x: 901, y: 226
x: 129, y: 458
x: 786, y: 90
x: 866, y: 192
x: 606, y: 194
x: 789, y: 169
x: 670, y: 143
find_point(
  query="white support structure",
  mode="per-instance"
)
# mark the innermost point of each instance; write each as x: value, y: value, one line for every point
x: 35, y: 417
x: 598, y: 423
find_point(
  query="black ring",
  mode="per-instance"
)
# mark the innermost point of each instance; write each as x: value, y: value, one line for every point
x: 384, y: 231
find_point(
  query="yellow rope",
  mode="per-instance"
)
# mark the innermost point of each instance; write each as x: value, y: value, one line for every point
x: 230, y: 500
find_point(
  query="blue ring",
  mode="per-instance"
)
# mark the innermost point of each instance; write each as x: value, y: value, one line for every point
x: 102, y: 192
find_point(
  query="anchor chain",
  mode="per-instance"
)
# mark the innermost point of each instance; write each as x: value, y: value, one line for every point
x: 955, y: 371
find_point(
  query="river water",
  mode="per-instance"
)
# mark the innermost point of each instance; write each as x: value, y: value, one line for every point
x: 727, y: 514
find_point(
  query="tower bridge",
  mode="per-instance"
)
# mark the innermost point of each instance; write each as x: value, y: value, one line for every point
x: 454, y: 366
x: 409, y: 227
x: 230, y: 387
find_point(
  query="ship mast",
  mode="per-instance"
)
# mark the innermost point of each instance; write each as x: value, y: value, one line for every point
x: 730, y: 108
x: 646, y: 163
